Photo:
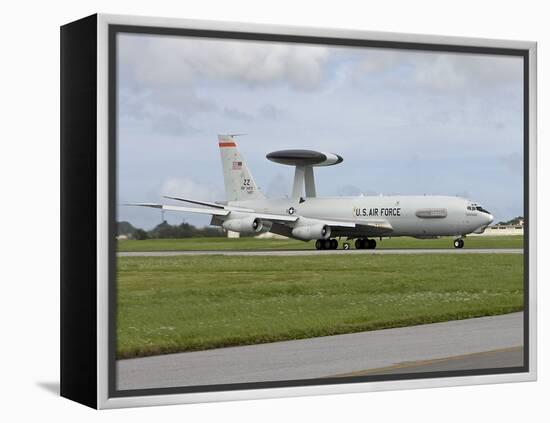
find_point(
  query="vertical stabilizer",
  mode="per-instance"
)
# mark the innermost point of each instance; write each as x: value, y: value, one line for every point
x: 239, y: 184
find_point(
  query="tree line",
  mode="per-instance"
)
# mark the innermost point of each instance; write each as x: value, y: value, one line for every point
x: 165, y: 230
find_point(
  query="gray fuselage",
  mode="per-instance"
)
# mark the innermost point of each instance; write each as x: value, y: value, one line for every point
x: 419, y: 216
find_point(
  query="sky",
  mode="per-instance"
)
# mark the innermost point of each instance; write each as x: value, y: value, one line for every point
x: 405, y: 122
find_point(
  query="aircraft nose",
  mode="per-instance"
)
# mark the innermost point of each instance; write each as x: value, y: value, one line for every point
x: 490, y: 219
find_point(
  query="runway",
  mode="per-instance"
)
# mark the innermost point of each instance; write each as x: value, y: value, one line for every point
x: 485, y: 342
x: 320, y: 252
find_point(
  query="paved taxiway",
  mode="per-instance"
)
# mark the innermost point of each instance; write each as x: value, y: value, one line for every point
x: 505, y: 357
x: 432, y: 347
x: 316, y: 252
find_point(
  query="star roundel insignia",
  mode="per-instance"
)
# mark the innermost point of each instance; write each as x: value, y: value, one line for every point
x: 291, y: 210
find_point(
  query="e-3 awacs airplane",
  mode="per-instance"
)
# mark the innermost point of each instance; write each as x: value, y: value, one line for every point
x: 307, y: 217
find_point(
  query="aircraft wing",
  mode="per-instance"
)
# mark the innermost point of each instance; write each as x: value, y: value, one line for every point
x: 278, y: 218
x: 284, y: 223
x: 363, y: 229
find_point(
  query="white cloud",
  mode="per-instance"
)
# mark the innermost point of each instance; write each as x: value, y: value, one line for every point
x: 513, y: 162
x: 237, y: 114
x: 379, y: 61
x: 171, y: 123
x: 279, y: 186
x: 165, y: 111
x: 189, y: 188
x: 159, y: 61
x: 269, y: 111
x: 455, y: 71
x: 166, y: 81
x: 440, y: 71
x: 349, y: 190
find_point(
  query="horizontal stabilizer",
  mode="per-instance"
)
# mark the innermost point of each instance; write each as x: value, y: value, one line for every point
x: 202, y: 203
x: 211, y: 211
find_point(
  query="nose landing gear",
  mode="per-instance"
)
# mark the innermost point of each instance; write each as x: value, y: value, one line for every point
x: 458, y: 243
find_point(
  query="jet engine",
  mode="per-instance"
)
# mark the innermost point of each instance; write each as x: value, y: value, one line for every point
x: 311, y: 230
x: 246, y: 225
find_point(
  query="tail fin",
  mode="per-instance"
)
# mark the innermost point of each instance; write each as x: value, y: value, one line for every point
x: 239, y: 184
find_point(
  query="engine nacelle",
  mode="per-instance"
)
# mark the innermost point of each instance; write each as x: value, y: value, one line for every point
x: 308, y: 231
x: 246, y: 225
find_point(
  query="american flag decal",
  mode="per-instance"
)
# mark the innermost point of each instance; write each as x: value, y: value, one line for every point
x: 237, y: 165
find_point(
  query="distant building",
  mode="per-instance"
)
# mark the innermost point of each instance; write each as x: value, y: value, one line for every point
x: 512, y: 227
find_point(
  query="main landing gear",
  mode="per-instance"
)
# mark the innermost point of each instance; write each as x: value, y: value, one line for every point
x: 459, y: 243
x: 363, y: 243
x: 326, y: 244
x: 332, y: 244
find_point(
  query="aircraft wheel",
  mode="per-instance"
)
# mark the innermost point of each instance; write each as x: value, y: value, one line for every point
x: 346, y: 246
x: 328, y: 244
x: 359, y: 243
x: 319, y: 244
x: 372, y: 244
x: 459, y: 243
x: 333, y: 244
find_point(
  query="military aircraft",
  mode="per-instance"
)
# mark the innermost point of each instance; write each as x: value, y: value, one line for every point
x: 306, y: 217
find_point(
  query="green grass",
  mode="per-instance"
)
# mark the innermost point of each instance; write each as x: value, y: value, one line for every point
x: 172, y: 304
x: 502, y: 241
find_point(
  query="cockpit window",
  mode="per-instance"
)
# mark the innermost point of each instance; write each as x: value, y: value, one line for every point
x: 477, y: 207
x: 482, y: 210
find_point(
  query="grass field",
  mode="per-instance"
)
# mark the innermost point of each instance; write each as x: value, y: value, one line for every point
x: 172, y: 304
x: 513, y: 241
